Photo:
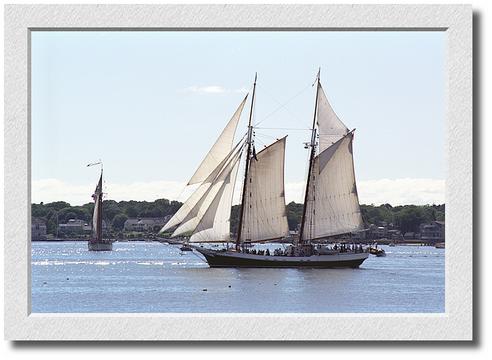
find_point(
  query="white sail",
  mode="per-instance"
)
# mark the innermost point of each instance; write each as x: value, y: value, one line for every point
x: 331, y: 128
x: 195, y: 215
x: 191, y: 202
x: 220, y: 149
x: 264, y: 214
x: 332, y: 204
x: 215, y: 226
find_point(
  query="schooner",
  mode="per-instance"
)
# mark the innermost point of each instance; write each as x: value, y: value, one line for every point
x: 97, y: 242
x: 331, y: 205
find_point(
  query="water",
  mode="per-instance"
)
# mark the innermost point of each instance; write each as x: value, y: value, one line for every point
x: 153, y: 277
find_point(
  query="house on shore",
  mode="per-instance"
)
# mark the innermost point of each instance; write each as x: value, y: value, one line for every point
x: 72, y: 227
x: 433, y: 232
x: 142, y: 224
x: 78, y: 227
x: 410, y: 235
x: 38, y: 229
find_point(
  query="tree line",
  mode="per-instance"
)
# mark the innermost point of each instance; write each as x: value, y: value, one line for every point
x: 406, y: 217
x: 114, y: 213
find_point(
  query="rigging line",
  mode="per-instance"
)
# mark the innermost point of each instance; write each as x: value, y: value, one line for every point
x: 261, y: 142
x: 266, y: 135
x: 278, y: 128
x: 282, y: 106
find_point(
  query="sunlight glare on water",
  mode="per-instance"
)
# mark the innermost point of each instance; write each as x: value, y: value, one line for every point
x: 154, y: 277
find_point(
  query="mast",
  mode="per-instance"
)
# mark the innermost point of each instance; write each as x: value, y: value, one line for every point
x: 311, y: 158
x: 248, y: 155
x: 99, y: 234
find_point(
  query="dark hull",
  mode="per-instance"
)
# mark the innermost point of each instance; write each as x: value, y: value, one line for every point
x: 227, y: 259
x: 95, y: 246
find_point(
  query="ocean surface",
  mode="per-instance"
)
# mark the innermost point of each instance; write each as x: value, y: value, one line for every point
x: 151, y: 277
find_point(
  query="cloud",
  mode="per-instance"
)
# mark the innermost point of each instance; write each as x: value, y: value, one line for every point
x: 49, y: 190
x: 212, y: 89
x: 392, y: 191
x: 402, y: 191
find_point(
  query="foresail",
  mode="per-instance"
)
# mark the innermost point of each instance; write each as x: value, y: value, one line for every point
x: 195, y: 215
x: 185, y: 209
x: 332, y: 205
x: 220, y: 149
x: 331, y: 128
x: 215, y: 225
x: 264, y: 214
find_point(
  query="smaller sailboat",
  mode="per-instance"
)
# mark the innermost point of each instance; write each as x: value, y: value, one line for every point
x: 97, y: 242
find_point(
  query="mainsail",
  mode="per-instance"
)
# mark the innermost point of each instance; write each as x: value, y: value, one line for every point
x: 264, y: 215
x: 97, y: 215
x: 220, y: 149
x: 331, y: 205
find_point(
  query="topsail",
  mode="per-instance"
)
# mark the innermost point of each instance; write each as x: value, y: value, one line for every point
x: 331, y: 128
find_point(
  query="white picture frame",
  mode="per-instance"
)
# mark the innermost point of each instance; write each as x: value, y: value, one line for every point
x: 457, y: 321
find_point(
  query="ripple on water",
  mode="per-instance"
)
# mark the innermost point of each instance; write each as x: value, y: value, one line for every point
x: 153, y: 277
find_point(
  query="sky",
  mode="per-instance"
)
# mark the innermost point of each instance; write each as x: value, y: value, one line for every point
x: 151, y: 104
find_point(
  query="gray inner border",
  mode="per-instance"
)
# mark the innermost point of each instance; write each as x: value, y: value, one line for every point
x: 454, y: 324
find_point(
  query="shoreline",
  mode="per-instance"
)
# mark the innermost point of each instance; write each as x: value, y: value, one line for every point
x: 410, y: 242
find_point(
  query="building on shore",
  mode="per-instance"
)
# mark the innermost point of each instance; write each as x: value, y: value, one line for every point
x: 394, y: 234
x: 78, y: 227
x: 142, y: 224
x: 432, y: 232
x: 38, y: 229
x: 410, y: 235
x: 359, y: 235
x: 72, y: 227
